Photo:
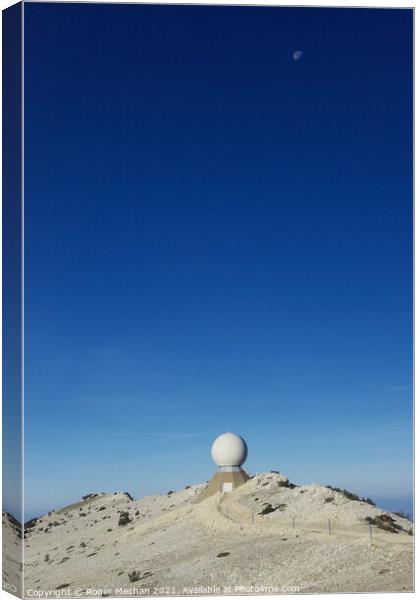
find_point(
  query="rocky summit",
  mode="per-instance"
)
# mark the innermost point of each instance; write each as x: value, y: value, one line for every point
x: 267, y: 536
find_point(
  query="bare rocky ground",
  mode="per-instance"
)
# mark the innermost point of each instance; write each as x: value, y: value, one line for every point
x: 12, y: 554
x: 265, y: 537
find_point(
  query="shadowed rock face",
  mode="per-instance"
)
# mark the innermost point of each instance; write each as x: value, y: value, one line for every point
x: 267, y: 532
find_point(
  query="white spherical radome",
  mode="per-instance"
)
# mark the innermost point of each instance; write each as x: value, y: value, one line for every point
x: 229, y: 450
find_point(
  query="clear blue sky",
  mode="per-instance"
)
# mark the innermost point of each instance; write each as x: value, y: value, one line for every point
x: 218, y: 238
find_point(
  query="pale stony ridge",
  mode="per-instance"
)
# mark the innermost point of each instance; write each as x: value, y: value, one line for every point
x: 266, y: 533
x: 12, y: 554
x: 308, y: 504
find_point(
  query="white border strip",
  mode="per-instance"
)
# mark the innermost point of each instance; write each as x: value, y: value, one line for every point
x: 22, y: 91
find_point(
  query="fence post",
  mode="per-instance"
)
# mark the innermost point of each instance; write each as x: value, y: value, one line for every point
x: 370, y: 530
x: 329, y: 526
x: 293, y: 522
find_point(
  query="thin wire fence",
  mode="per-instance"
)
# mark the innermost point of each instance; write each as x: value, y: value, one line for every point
x: 266, y: 524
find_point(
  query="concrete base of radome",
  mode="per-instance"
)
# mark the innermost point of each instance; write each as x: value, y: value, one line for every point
x: 223, y: 481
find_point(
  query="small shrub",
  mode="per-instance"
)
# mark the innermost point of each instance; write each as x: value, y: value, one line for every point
x: 368, y: 501
x: 385, y: 522
x: 329, y: 499
x: 134, y: 576
x: 47, y: 558
x: 287, y: 484
x: 335, y: 489
x: 89, y: 496
x: 124, y: 519
x: 30, y: 524
x: 351, y: 496
x: 269, y: 508
x: 222, y: 554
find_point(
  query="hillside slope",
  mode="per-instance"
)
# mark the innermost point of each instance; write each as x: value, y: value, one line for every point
x: 12, y: 554
x: 265, y: 536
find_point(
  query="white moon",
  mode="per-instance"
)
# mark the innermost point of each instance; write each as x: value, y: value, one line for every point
x: 297, y: 54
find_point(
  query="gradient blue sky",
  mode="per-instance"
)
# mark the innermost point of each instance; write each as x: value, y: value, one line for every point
x: 217, y: 238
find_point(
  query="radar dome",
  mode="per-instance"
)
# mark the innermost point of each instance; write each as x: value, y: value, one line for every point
x: 229, y: 450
